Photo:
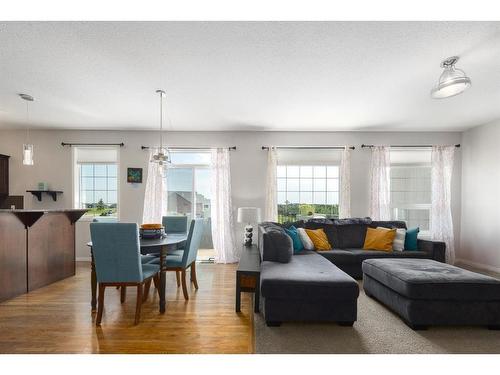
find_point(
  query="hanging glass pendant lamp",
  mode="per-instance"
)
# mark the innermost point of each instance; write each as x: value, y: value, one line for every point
x: 27, y: 147
x: 452, y: 81
x: 161, y: 156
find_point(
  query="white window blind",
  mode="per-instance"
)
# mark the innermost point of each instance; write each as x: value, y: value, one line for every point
x: 411, y: 187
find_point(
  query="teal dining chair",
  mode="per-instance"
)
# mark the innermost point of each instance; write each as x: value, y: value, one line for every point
x: 175, y: 224
x: 117, y: 259
x: 107, y: 220
x: 187, y: 260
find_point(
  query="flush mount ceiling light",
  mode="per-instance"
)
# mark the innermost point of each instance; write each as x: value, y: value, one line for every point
x: 27, y: 147
x: 452, y: 82
x: 161, y: 156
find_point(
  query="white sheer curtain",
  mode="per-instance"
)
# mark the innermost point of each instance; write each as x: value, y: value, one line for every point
x: 155, y: 204
x: 345, y: 184
x: 271, y: 211
x: 380, y: 180
x: 441, y: 225
x: 222, y: 208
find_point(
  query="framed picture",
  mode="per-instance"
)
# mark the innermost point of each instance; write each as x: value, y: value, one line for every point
x: 134, y: 175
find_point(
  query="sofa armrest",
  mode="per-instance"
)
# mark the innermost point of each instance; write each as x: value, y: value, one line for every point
x: 436, y: 249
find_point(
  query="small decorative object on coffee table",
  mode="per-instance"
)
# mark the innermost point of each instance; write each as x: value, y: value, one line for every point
x: 249, y: 216
x: 248, y: 275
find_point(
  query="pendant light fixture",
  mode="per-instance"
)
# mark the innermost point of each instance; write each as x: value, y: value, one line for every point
x: 452, y: 82
x: 161, y: 156
x: 27, y: 147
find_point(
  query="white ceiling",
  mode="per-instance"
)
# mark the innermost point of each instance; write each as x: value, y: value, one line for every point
x: 247, y: 75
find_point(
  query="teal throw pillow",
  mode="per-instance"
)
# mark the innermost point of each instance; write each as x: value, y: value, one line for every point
x: 411, y: 239
x: 294, y: 235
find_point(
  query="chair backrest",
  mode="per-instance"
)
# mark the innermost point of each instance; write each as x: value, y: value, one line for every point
x: 105, y: 219
x: 193, y: 242
x: 116, y: 252
x: 175, y: 224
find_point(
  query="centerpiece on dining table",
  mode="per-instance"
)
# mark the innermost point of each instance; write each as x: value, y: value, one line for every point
x: 152, y: 231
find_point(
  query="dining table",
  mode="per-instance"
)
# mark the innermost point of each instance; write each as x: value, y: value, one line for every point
x: 147, y: 246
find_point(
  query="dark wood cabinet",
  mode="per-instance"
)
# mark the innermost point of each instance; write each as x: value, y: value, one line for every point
x: 4, y: 176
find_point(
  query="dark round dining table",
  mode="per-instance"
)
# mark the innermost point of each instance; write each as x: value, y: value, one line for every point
x: 148, y: 246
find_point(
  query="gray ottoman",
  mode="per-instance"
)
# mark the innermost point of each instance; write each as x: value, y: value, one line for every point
x: 424, y: 292
x: 308, y: 288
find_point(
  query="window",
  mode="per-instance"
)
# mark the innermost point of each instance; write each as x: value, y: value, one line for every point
x: 307, y: 191
x: 188, y: 188
x: 96, y: 181
x: 411, y: 188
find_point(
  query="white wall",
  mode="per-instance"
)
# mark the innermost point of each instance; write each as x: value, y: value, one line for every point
x: 481, y: 197
x: 248, y: 164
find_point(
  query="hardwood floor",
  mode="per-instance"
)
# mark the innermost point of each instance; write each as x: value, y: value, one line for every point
x: 57, y: 318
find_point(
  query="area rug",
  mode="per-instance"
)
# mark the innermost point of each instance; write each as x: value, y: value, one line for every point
x: 377, y: 330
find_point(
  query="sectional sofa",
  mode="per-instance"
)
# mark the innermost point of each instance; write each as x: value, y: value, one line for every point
x: 320, y: 286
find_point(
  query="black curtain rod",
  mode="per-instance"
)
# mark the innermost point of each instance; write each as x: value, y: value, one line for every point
x: 186, y: 148
x: 310, y: 147
x: 92, y: 144
x: 406, y: 146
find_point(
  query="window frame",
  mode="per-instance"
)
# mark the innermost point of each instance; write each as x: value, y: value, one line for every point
x: 312, y: 165
x: 76, y: 188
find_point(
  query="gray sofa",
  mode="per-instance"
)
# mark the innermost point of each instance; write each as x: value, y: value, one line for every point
x: 347, y: 237
x: 320, y: 286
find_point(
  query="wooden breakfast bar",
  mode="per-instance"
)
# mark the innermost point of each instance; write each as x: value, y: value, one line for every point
x: 37, y: 248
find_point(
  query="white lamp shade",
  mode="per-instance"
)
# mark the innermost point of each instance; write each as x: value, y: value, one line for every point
x: 28, y: 154
x: 248, y: 215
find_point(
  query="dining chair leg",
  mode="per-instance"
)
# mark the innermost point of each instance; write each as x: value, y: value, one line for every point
x: 138, y: 304
x: 178, y: 277
x: 147, y: 285
x: 194, y: 280
x: 100, y: 305
x: 184, y: 285
x: 156, y: 281
x: 123, y: 293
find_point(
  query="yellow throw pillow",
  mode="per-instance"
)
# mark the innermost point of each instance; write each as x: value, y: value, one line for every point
x: 379, y: 239
x: 319, y: 239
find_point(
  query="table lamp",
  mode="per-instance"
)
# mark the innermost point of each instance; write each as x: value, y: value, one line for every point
x: 249, y: 216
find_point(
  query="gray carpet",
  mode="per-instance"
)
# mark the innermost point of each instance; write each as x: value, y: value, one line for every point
x: 377, y: 330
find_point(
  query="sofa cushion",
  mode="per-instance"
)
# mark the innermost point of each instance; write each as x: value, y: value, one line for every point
x: 340, y: 256
x: 353, y: 220
x: 351, y: 235
x: 319, y: 239
x: 277, y: 245
x: 390, y: 224
x: 411, y: 239
x: 297, y: 242
x: 431, y: 280
x: 356, y: 256
x: 379, y: 238
x: 308, y: 276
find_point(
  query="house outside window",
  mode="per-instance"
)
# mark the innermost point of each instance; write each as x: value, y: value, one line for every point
x: 188, y: 184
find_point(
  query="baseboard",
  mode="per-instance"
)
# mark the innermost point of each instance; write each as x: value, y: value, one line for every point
x: 480, y: 266
x: 83, y: 259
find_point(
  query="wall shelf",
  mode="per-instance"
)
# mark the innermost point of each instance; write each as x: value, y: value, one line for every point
x: 38, y: 193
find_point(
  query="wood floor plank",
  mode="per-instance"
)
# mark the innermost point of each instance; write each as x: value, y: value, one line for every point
x: 57, y: 318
